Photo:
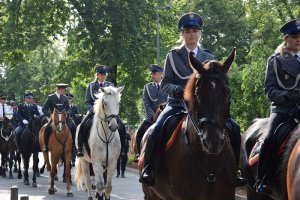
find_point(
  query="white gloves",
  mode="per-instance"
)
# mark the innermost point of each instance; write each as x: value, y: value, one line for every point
x: 25, y: 121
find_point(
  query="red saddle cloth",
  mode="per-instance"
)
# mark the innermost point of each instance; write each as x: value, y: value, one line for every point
x: 283, y: 133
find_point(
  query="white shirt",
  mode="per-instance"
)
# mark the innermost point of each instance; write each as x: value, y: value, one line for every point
x: 194, y: 50
x: 1, y: 110
x: 58, y: 95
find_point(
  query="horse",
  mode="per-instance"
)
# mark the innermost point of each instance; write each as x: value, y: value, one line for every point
x: 284, y: 176
x: 30, y: 145
x: 60, y: 145
x: 135, y: 146
x: 104, y: 144
x: 7, y: 145
x: 292, y: 177
x: 200, y: 164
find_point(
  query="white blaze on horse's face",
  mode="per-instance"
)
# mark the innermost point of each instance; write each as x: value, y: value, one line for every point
x: 60, y: 125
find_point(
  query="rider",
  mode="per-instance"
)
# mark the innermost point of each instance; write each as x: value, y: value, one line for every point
x: 2, y: 107
x: 152, y: 98
x: 90, y: 98
x: 25, y: 112
x: 282, y: 88
x: 73, y: 108
x: 36, y: 101
x: 176, y: 74
x: 57, y: 98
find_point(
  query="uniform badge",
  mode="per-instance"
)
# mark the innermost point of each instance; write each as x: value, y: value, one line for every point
x: 286, y: 76
x: 298, y: 24
x: 191, y: 16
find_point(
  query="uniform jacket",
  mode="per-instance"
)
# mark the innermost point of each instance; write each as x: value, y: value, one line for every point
x: 178, y: 71
x: 288, y: 68
x: 91, y: 90
x: 152, y: 98
x: 52, y: 100
x: 73, y: 110
x: 26, y: 112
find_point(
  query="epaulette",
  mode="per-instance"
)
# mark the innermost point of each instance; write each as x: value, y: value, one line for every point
x: 208, y: 51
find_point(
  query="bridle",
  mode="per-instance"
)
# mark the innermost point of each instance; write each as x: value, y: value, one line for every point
x: 200, y: 119
x: 60, y: 124
x: 6, y: 138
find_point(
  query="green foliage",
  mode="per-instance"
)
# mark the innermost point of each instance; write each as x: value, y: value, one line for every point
x: 45, y: 42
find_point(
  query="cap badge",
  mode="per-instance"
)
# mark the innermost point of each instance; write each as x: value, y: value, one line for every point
x: 191, y: 16
x: 298, y: 23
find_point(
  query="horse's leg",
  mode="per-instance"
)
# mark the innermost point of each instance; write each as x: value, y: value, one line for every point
x: 11, y: 162
x: 15, y: 162
x: 26, y: 158
x: 18, y: 158
x: 53, y: 172
x: 43, y: 168
x: 64, y: 173
x: 35, y: 168
x: 3, y: 164
x: 67, y: 169
x: 108, y: 179
x: 98, y: 170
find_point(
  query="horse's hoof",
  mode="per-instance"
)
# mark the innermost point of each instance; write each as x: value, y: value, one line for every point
x: 42, y: 170
x: 51, y: 191
x: 11, y: 177
x: 69, y: 194
x: 34, y: 184
x: 90, y: 198
x: 26, y: 182
x: 20, y: 176
x: 93, y: 187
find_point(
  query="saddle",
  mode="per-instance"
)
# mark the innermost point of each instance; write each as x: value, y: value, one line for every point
x: 281, y: 137
x: 170, y: 128
x: 86, y: 133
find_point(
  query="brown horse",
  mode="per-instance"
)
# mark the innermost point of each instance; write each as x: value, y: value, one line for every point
x: 286, y: 154
x: 201, y: 164
x: 60, y: 145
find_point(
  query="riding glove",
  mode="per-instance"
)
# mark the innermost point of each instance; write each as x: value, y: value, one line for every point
x: 25, y: 121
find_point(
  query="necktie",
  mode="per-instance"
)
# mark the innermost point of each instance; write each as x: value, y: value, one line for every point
x: 101, y: 85
x: 3, y: 112
x: 157, y: 85
x: 297, y: 57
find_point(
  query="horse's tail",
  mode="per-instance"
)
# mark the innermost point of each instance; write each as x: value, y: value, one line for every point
x: 78, y: 174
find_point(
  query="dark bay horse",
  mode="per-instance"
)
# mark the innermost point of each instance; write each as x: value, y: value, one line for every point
x: 286, y: 154
x: 7, y: 146
x: 201, y: 164
x: 60, y: 145
x: 293, y: 169
x: 30, y: 145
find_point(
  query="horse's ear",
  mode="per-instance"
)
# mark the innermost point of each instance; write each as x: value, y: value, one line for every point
x: 119, y: 89
x: 195, y: 63
x: 227, y: 63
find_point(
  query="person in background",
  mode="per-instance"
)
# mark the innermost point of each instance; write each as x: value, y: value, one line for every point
x: 282, y: 88
x: 123, y: 159
x: 152, y: 98
x: 25, y: 113
x: 2, y: 108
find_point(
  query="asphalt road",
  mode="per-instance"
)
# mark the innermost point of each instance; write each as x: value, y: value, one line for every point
x: 123, y: 188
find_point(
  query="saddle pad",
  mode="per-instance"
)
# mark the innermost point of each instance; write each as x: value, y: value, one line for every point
x: 254, y: 155
x: 173, y: 136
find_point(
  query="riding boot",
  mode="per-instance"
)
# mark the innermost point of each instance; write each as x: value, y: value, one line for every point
x: 140, y: 133
x: 18, y: 138
x: 47, y: 133
x: 262, y: 179
x: 235, y: 140
x: 80, y: 141
x: 147, y: 174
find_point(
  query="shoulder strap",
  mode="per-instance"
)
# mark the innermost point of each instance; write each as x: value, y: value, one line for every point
x: 147, y: 88
x: 278, y: 79
x: 174, y: 67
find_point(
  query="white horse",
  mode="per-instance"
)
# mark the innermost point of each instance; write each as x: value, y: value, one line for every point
x: 104, y: 143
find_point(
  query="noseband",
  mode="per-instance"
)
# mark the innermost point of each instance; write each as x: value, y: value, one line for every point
x: 63, y: 123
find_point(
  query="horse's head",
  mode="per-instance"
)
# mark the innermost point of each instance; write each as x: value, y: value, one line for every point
x: 107, y: 106
x: 59, y: 116
x: 208, y: 94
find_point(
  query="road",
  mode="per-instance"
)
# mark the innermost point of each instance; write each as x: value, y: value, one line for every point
x: 123, y: 188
